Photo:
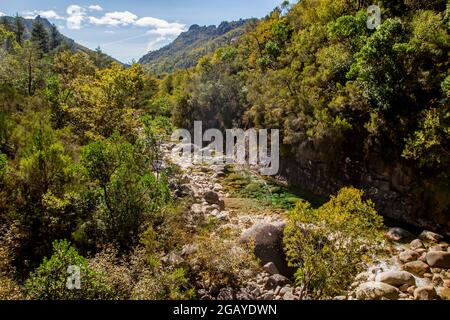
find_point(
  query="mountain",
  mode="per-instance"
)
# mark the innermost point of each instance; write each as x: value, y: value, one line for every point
x: 190, y: 46
x: 65, y: 41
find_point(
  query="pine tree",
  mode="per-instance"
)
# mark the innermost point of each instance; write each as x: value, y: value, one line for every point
x: 55, y: 38
x: 19, y: 29
x: 39, y: 35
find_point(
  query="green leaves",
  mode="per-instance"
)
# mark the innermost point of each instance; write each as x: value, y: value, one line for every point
x: 328, y: 244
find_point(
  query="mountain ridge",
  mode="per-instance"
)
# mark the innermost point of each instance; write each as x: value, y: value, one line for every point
x: 198, y: 41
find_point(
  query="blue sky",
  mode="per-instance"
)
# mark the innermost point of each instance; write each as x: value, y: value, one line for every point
x: 129, y: 29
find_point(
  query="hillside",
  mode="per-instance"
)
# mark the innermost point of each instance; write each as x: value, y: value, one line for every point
x: 65, y: 41
x: 190, y: 46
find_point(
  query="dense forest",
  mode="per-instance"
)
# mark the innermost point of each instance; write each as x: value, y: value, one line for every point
x: 82, y: 137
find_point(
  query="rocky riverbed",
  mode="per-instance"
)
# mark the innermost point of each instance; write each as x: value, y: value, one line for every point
x: 417, y: 267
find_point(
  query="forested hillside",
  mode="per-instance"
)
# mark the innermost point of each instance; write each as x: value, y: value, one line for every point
x: 185, y: 51
x: 23, y: 29
x: 356, y: 106
x: 87, y: 180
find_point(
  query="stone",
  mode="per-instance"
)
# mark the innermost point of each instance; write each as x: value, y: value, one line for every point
x: 435, y: 248
x: 196, y: 209
x: 271, y: 268
x: 438, y: 259
x: 408, y: 256
x: 376, y: 291
x: 444, y: 293
x: 399, y: 235
x: 211, y: 197
x: 416, y: 244
x: 396, y: 278
x: 340, y: 298
x: 277, y: 290
x: 172, y: 259
x: 417, y: 268
x: 226, y: 294
x: 438, y: 280
x: 284, y: 290
x: 267, y: 242
x: 189, y: 249
x: 425, y: 293
x: 289, y: 296
x: 446, y: 283
x: 274, y: 281
x: 430, y: 236
x: 411, y: 290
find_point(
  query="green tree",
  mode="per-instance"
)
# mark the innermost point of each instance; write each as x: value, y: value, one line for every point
x: 49, y: 280
x: 39, y: 35
x: 19, y: 29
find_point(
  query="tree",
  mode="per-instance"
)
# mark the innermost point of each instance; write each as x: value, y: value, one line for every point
x: 54, y: 38
x: 19, y: 29
x: 327, y: 245
x: 129, y: 192
x: 39, y: 35
x: 49, y: 280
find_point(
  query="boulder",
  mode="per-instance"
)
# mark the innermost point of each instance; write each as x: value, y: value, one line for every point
x: 425, y: 293
x: 430, y: 236
x: 376, y: 291
x: 274, y: 281
x: 444, y: 293
x: 408, y: 256
x: 267, y: 242
x: 438, y: 259
x: 271, y: 268
x: 211, y: 197
x: 416, y: 244
x: 399, y: 235
x: 396, y: 278
x: 417, y: 268
x: 289, y: 296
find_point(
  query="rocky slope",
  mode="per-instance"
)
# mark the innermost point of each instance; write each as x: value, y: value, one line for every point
x: 185, y: 51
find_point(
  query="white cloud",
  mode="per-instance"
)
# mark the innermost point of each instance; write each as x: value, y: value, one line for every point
x: 2, y: 14
x: 110, y: 32
x: 117, y: 18
x: 76, y: 16
x: 49, y: 14
x: 155, y: 44
x: 95, y: 7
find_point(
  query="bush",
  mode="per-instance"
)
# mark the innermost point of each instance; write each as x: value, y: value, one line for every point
x: 329, y: 244
x: 49, y: 281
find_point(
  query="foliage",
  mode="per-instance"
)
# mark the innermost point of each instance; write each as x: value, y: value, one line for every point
x: 327, y: 245
x: 49, y: 280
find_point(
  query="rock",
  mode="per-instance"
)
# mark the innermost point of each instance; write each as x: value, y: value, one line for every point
x: 271, y: 268
x: 277, y: 290
x: 417, y: 268
x: 411, y: 290
x: 399, y: 235
x: 435, y: 248
x: 211, y: 197
x: 172, y: 259
x: 425, y: 293
x: 189, y: 249
x: 225, y: 294
x: 446, y: 283
x: 268, y: 296
x: 444, y: 293
x: 430, y: 236
x: 362, y: 277
x: 267, y: 239
x: 289, y: 296
x: 340, y: 298
x: 416, y: 244
x: 284, y: 290
x: 376, y: 291
x: 438, y: 280
x: 223, y: 216
x: 438, y: 259
x: 408, y: 256
x: 274, y: 281
x: 196, y: 209
x: 396, y: 278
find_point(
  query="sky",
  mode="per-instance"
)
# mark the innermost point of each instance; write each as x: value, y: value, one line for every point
x: 128, y: 29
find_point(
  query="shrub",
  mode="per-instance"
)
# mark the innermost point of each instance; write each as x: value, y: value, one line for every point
x: 49, y: 281
x: 328, y: 245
